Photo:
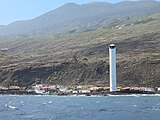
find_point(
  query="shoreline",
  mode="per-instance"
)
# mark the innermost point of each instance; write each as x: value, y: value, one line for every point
x: 118, y: 93
x: 123, y: 95
x: 99, y: 92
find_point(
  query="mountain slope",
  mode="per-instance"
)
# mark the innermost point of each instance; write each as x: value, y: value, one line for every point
x: 72, y: 16
x: 82, y: 58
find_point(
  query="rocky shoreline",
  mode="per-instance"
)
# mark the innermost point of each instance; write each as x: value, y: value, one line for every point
x: 106, y: 93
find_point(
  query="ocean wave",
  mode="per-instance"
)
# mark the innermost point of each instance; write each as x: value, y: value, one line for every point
x: 12, y: 107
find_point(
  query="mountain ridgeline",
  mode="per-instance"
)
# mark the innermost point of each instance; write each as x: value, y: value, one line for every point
x: 72, y: 17
x: 69, y: 45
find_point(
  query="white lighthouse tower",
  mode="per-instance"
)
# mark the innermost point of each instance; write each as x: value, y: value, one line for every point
x: 112, y: 62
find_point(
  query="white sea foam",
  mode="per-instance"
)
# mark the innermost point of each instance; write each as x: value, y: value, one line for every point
x: 29, y: 116
x: 12, y: 107
x: 136, y: 95
x: 6, y: 105
x: 44, y: 103
x: 50, y: 102
x: 34, y: 111
x: 157, y: 94
x: 97, y: 101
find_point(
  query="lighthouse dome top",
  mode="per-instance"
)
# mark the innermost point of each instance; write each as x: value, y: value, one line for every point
x: 112, y: 46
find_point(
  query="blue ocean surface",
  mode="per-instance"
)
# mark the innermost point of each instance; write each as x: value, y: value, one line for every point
x: 34, y: 107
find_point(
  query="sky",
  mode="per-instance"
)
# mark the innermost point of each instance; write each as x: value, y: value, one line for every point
x: 15, y: 10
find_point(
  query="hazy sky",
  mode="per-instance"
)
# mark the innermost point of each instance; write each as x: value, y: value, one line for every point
x: 14, y: 10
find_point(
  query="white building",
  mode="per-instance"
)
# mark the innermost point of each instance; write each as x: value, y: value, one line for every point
x: 149, y: 89
x: 112, y: 62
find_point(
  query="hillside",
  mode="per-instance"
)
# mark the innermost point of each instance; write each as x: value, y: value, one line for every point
x: 72, y: 17
x: 82, y: 57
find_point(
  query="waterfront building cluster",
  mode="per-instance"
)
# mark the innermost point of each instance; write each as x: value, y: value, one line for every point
x: 43, y: 89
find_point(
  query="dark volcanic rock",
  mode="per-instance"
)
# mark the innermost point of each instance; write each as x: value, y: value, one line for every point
x: 141, y: 73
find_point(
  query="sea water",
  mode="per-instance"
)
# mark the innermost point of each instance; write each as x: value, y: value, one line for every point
x: 34, y: 107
